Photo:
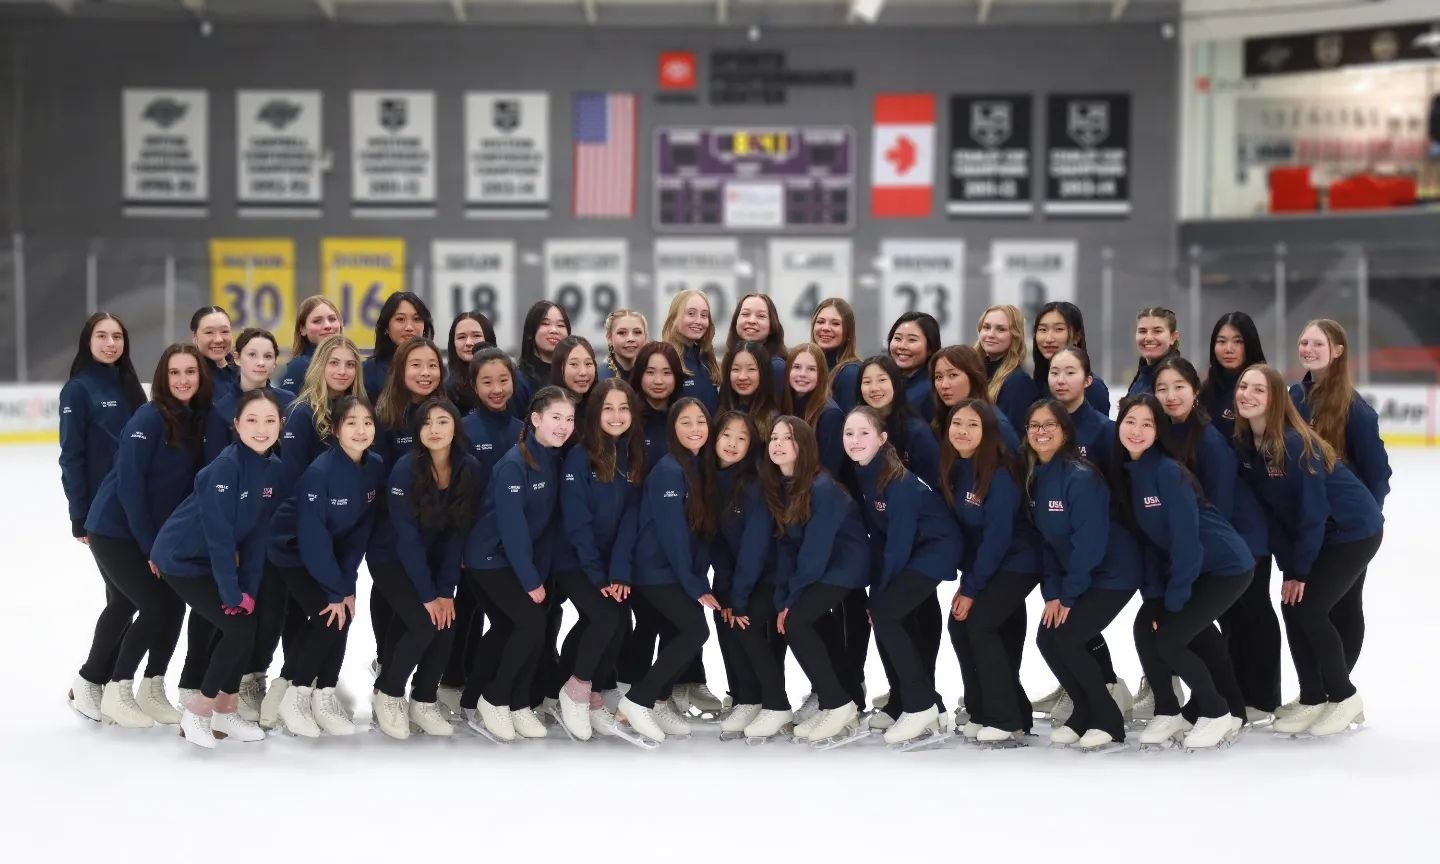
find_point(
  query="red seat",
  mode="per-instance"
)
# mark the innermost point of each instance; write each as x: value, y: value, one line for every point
x: 1291, y: 191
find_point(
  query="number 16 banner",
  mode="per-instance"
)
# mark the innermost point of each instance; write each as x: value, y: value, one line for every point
x: 254, y: 280
x: 359, y: 274
x: 924, y: 276
x: 477, y: 276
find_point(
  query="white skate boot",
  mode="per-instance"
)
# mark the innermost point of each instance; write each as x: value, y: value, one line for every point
x: 641, y: 719
x: 766, y: 725
x: 1045, y: 704
x: 971, y: 731
x: 118, y: 707
x: 430, y: 719
x: 495, y: 722
x: 1164, y: 731
x: 993, y: 738
x: 196, y: 730
x: 810, y: 707
x: 1064, y: 707
x: 251, y: 695
x: 85, y: 698
x: 297, y: 713
x: 1299, y: 720
x: 612, y: 698
x: 1124, y: 699
x: 1098, y: 741
x: 1144, y: 708
x: 704, y: 705
x: 879, y: 721
x: 1339, y: 715
x: 270, y: 705
x: 232, y: 726
x: 602, y: 722
x: 574, y: 718
x: 150, y: 696
x: 527, y: 724
x: 1210, y: 732
x: 1257, y: 716
x: 802, y: 729
x: 329, y: 714
x: 1063, y: 736
x: 879, y: 702
x: 734, y: 723
x: 1288, y: 708
x: 667, y: 718
x: 837, y: 727
x: 916, y: 729
x: 391, y: 715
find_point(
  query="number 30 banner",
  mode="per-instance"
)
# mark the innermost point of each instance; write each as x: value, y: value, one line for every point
x: 254, y: 279
x: 924, y: 276
x: 589, y: 279
x: 477, y: 276
x: 359, y: 273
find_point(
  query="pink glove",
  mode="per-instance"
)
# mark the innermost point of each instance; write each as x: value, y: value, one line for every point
x: 247, y: 605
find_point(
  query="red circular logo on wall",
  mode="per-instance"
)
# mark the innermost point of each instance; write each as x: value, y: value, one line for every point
x: 677, y: 70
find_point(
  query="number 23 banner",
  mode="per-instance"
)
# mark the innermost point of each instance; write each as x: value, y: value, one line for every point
x: 254, y: 279
x: 924, y: 276
x: 359, y: 274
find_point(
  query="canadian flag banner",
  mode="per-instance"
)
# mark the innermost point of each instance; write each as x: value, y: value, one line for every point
x: 902, y: 158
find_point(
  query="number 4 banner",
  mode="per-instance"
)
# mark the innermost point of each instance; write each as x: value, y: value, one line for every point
x: 802, y: 273
x: 254, y: 279
x: 477, y: 276
x: 924, y: 276
x: 588, y: 279
x: 359, y: 273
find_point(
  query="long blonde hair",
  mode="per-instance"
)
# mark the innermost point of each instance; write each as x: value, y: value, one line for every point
x: 1014, y: 358
x: 610, y: 321
x: 1330, y: 396
x: 816, y: 401
x: 314, y: 391
x: 307, y: 306
x: 1281, y: 416
x: 672, y: 337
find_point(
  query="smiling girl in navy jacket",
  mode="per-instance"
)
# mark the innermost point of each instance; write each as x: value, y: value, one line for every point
x: 212, y: 552
x: 1325, y: 527
x: 1157, y: 336
x: 1234, y: 347
x: 1196, y: 567
x: 403, y: 317
x: 832, y: 327
x: 210, y: 332
x: 255, y: 353
x: 546, y: 325
x: 317, y: 320
x: 690, y: 330
x: 957, y: 373
x: 757, y: 320
x: 1000, y: 566
x: 469, y: 332
x: 1001, y: 340
x: 913, y: 339
x: 507, y: 564
x: 656, y: 379
x: 1092, y: 568
x: 881, y: 388
x: 915, y: 544
x: 748, y: 383
x: 433, y: 491
x: 95, y: 404
x: 808, y: 395
x: 1060, y: 324
x: 161, y: 448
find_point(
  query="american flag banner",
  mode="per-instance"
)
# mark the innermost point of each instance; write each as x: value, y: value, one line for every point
x: 604, y: 155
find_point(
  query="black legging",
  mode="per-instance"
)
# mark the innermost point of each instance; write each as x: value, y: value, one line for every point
x: 110, y: 627
x: 1316, y: 645
x: 925, y: 624
x: 277, y: 620
x: 686, y: 618
x: 590, y: 645
x: 898, y: 633
x: 1188, y: 644
x: 639, y: 651
x: 989, y: 653
x: 759, y: 676
x: 156, y: 628
x: 513, y: 641
x: 1252, y: 639
x: 1349, y: 618
x: 316, y: 650
x: 853, y: 616
x: 1100, y: 650
x: 236, y: 634
x: 200, y: 641
x: 1066, y: 652
x: 469, y: 623
x: 381, y: 617
x: 412, y: 643
x: 802, y: 631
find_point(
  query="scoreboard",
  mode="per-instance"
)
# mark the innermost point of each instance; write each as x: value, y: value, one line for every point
x: 764, y: 178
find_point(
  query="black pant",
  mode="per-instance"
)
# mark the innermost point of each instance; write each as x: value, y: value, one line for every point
x: 1252, y: 639
x: 898, y: 634
x: 759, y: 676
x: 1066, y: 652
x: 1187, y: 643
x: 686, y: 619
x: 926, y: 625
x: 469, y: 624
x: 315, y: 651
x: 590, y: 645
x: 1101, y: 652
x: 381, y: 617
x: 236, y: 634
x: 853, y: 617
x: 1315, y: 642
x: 277, y: 620
x: 639, y: 651
x: 110, y: 629
x: 1349, y: 618
x: 156, y: 628
x: 412, y: 643
x: 513, y: 642
x: 989, y: 655
x: 200, y: 640
x: 802, y: 631
x: 548, y: 679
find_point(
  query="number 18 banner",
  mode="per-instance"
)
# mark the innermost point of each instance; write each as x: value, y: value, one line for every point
x: 254, y: 280
x: 359, y: 273
x: 476, y: 276
x: 924, y: 276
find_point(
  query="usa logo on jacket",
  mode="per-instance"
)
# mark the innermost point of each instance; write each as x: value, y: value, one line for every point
x: 1152, y: 501
x: 1057, y: 506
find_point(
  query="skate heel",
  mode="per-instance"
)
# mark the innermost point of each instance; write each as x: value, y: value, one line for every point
x: 731, y: 736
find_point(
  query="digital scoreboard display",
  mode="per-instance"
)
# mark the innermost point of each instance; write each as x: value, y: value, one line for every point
x: 762, y: 178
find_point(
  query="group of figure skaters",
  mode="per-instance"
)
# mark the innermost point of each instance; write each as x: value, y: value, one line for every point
x: 804, y: 496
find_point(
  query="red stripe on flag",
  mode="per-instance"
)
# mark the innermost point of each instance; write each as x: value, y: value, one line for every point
x: 893, y: 202
x: 905, y: 108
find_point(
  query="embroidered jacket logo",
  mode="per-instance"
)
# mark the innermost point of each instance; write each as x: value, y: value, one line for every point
x: 244, y: 493
x: 311, y: 496
x: 221, y: 488
x: 370, y: 496
x: 1056, y: 506
x: 109, y: 403
x: 879, y: 506
x: 339, y: 502
x: 972, y: 499
x: 1152, y: 501
x: 137, y: 434
x: 397, y: 491
x: 267, y: 492
x: 671, y: 493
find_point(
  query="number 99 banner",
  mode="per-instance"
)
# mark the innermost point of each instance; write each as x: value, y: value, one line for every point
x: 924, y: 276
x: 359, y: 273
x: 589, y: 279
x: 254, y: 280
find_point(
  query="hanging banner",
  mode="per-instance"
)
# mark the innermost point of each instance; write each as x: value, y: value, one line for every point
x: 710, y: 265
x: 507, y: 155
x: 1031, y: 273
x: 802, y: 273
x: 392, y: 152
x: 359, y: 273
x: 902, y: 156
x: 254, y: 279
x: 278, y: 152
x: 166, y: 152
x: 1087, y: 158
x: 923, y: 276
x: 476, y: 276
x: 991, y: 149
x: 589, y: 279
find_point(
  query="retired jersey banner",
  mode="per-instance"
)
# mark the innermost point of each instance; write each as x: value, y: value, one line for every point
x: 166, y: 152
x: 1031, y: 273
x: 392, y: 152
x: 278, y: 152
x: 588, y: 279
x: 991, y: 154
x: 709, y: 264
x: 476, y: 276
x: 802, y: 273
x: 507, y: 155
x: 359, y: 274
x: 1087, y: 155
x: 923, y: 276
x: 902, y: 156
x: 254, y: 280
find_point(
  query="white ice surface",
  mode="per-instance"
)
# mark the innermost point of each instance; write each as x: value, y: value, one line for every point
x: 73, y: 789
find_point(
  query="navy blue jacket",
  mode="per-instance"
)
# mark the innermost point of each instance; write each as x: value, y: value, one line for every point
x: 220, y: 429
x: 292, y: 377
x: 698, y: 383
x: 592, y: 514
x: 1308, y: 508
x: 777, y: 368
x: 919, y: 392
x: 225, y: 380
x: 831, y: 548
x: 829, y: 434
x: 657, y: 435
x: 1083, y: 547
x: 431, y: 558
x: 1097, y: 395
x: 742, y: 552
x: 325, y: 526
x: 920, y: 452
x: 527, y: 384
x: 1187, y: 536
x: 1007, y: 432
x: 1016, y: 395
x: 373, y: 373
x: 227, y: 516
x: 1094, y: 435
x: 1218, y: 471
x: 844, y: 382
x: 299, y: 443
x: 93, y: 411
x: 910, y: 527
x: 391, y: 444
x: 491, y: 435
x: 1144, y: 380
x: 666, y: 552
x: 1220, y: 403
x: 515, y: 513
x: 1364, y: 450
x: 150, y: 480
x: 998, y: 535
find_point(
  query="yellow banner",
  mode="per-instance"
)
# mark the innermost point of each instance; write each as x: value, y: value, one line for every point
x: 254, y: 279
x: 359, y: 273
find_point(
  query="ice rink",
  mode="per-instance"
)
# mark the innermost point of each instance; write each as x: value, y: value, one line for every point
x: 74, y: 789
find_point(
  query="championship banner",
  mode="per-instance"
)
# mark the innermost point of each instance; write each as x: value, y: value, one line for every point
x: 1087, y: 158
x: 476, y: 276
x: 166, y: 152
x: 902, y: 156
x: 1031, y: 273
x: 589, y: 279
x: 923, y: 276
x: 802, y: 273
x: 254, y: 280
x: 278, y: 152
x: 507, y: 155
x: 392, y: 152
x: 358, y: 274
x: 991, y: 152
x: 708, y: 265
